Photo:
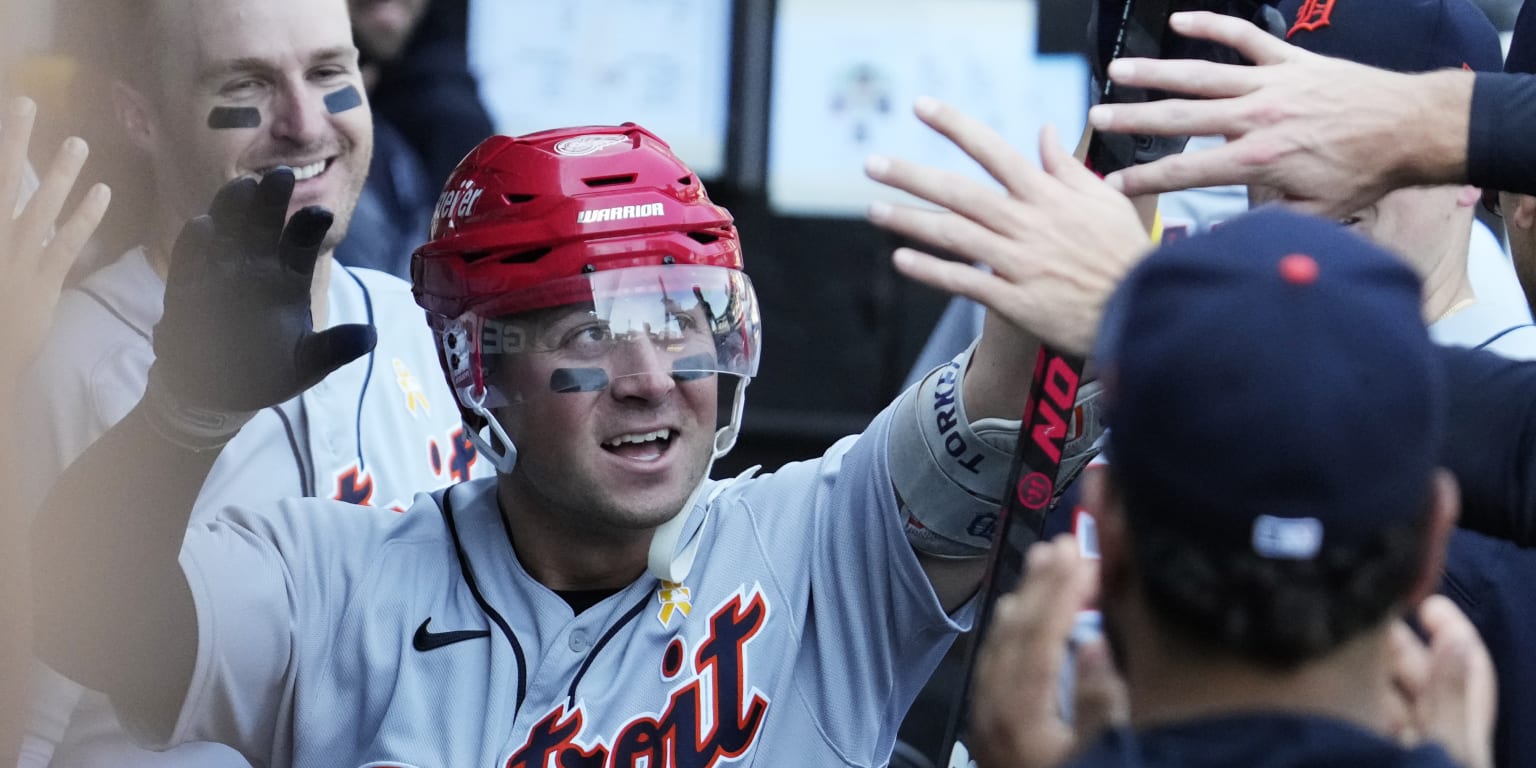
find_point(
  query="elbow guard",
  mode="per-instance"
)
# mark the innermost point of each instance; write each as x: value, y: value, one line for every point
x: 950, y: 473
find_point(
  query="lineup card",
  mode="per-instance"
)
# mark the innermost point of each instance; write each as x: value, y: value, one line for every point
x: 845, y: 74
x: 664, y: 64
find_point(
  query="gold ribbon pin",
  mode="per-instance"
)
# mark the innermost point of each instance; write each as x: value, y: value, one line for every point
x: 674, y: 597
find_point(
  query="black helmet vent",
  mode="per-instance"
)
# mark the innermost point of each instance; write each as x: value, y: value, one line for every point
x: 608, y: 181
x: 525, y: 257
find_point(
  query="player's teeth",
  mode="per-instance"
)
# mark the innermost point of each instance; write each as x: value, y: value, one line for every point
x: 646, y: 437
x: 308, y: 171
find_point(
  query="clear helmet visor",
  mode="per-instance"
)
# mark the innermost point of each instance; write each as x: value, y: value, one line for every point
x: 679, y: 321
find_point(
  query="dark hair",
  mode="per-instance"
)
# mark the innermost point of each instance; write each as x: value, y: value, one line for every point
x: 1278, y: 613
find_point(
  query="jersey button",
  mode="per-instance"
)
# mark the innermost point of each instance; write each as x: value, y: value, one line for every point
x: 579, y: 642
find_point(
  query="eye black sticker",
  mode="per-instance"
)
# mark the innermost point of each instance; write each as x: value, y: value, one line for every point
x: 220, y: 118
x: 568, y: 380
x: 343, y: 100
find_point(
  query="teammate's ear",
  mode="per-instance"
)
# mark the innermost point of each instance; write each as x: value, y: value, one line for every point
x: 1102, y: 501
x: 136, y: 115
x: 1445, y: 508
x: 1468, y: 196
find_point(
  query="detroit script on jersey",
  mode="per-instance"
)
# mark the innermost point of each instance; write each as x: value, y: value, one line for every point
x: 803, y: 632
x: 714, y: 713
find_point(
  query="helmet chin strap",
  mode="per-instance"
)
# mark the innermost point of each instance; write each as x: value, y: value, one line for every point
x: 503, y: 460
x: 665, y: 561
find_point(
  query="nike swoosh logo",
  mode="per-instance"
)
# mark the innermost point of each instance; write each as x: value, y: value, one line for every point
x: 430, y: 641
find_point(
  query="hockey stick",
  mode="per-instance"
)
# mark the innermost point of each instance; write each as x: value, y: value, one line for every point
x: 1035, y: 482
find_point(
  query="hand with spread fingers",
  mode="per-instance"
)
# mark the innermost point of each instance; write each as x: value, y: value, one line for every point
x: 1333, y: 135
x: 36, y: 251
x: 37, y: 248
x: 1444, y: 687
x: 237, y: 334
x: 1016, y: 712
x: 1056, y: 237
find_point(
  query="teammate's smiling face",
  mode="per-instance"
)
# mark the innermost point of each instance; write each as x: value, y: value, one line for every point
x: 620, y: 460
x: 280, y: 58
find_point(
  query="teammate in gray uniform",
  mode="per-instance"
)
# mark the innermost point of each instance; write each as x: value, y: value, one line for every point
x: 601, y: 602
x: 229, y: 89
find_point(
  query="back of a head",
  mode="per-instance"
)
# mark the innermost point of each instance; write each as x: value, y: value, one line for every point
x: 1275, y: 418
x: 1400, y: 35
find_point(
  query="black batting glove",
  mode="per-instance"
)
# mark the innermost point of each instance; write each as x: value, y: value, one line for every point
x: 237, y: 335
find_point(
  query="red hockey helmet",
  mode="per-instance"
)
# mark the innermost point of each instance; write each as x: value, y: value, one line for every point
x: 528, y: 211
x: 570, y: 242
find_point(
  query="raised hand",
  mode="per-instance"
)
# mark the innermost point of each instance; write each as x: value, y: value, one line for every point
x: 1331, y: 134
x: 1016, y: 712
x: 1444, y: 687
x: 36, y: 252
x: 1058, y: 239
x: 36, y: 247
x: 237, y: 335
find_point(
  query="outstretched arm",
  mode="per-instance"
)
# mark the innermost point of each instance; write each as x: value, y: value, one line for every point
x: 37, y: 249
x: 1057, y: 241
x: 114, y: 608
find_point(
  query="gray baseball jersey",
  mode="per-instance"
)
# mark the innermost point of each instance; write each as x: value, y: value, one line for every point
x: 374, y: 432
x: 338, y: 636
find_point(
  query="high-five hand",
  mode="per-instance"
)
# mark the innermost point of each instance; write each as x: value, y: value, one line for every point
x: 237, y: 335
x: 37, y: 247
x: 1057, y: 239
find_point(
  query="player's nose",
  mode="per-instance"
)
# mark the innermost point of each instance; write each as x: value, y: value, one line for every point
x: 643, y: 371
x: 299, y: 115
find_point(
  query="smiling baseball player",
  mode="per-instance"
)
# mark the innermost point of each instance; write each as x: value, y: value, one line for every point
x: 601, y: 602
x: 228, y: 89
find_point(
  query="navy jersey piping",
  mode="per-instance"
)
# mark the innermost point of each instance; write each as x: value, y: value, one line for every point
x: 306, y: 480
x: 1503, y: 333
x: 474, y: 589
x: 113, y: 311
x: 362, y: 463
x: 306, y: 477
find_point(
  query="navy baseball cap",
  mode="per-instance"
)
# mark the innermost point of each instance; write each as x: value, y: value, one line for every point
x: 1401, y: 35
x: 1271, y: 386
x: 1522, y: 46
